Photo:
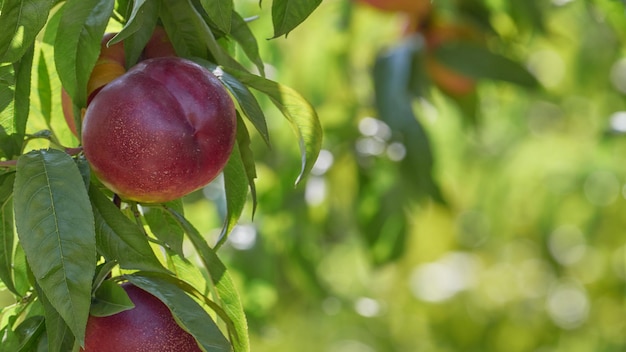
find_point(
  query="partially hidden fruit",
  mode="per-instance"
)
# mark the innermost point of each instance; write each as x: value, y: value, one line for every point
x: 161, y: 131
x: 109, y: 66
x: 149, y: 326
x: 159, y: 45
x: 413, y: 7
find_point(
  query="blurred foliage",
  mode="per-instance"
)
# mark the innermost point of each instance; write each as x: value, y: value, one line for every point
x: 514, y: 244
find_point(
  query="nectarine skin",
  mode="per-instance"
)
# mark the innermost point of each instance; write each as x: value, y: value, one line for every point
x: 149, y: 326
x: 161, y: 131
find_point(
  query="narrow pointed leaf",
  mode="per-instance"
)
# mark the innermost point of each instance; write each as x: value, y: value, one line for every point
x: 189, y: 314
x: 477, y: 61
x: 7, y: 235
x: 110, y: 298
x: 20, y: 22
x: 298, y: 111
x: 288, y: 14
x: 23, y: 71
x: 165, y: 228
x: 77, y: 44
x: 120, y: 239
x: 243, y: 35
x: 58, y: 333
x: 138, y: 29
x: 227, y: 296
x: 236, y: 186
x: 246, y: 100
x: 55, y: 227
x: 44, y: 90
x: 219, y: 12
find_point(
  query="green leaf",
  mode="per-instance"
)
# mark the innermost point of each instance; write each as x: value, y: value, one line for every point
x: 56, y: 229
x: 477, y: 61
x: 189, y: 314
x: 236, y: 186
x: 393, y: 102
x: 110, y: 298
x: 138, y: 29
x: 296, y: 109
x: 29, y: 332
x: 77, y: 44
x: 120, y: 239
x: 219, y: 12
x: 247, y: 157
x: 164, y: 227
x: 243, y: 35
x: 23, y: 70
x: 20, y: 271
x: 226, y: 294
x: 44, y: 90
x: 7, y: 235
x: 288, y: 14
x: 58, y: 333
x: 246, y: 100
x: 20, y: 22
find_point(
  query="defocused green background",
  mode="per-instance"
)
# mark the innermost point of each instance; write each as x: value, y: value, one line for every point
x: 528, y: 254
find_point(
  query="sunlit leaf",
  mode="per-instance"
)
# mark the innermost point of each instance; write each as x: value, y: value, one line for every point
x: 7, y: 235
x: 187, y: 312
x: 227, y: 296
x: 298, y: 111
x: 44, y: 90
x: 119, y: 238
x: 219, y: 12
x: 246, y: 100
x: 55, y: 227
x: 288, y: 14
x: 23, y: 71
x: 20, y: 22
x: 236, y: 186
x: 77, y: 44
x: 164, y: 227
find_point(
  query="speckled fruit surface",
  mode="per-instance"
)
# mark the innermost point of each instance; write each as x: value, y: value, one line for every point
x: 149, y: 327
x: 161, y: 131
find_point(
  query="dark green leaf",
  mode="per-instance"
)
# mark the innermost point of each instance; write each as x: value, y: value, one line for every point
x: 7, y: 235
x: 138, y: 29
x: 20, y: 271
x: 191, y: 35
x: 77, y: 44
x: 29, y: 332
x: 243, y: 35
x: 110, y: 298
x: 10, y: 342
x: 393, y: 102
x: 55, y: 226
x: 288, y: 14
x: 164, y: 227
x: 236, y: 186
x: 189, y: 314
x: 23, y: 70
x: 246, y: 100
x: 20, y: 22
x: 219, y: 12
x: 477, y: 61
x: 59, y: 336
x: 44, y: 89
x: 247, y: 157
x: 120, y: 239
x: 296, y: 109
x: 226, y: 295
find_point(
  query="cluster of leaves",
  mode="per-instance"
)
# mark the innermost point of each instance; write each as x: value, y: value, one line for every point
x: 401, y: 77
x: 65, y: 240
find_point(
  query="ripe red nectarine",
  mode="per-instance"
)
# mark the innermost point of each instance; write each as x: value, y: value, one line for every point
x: 161, y: 131
x: 149, y: 326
